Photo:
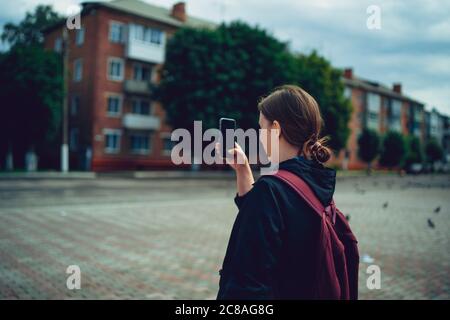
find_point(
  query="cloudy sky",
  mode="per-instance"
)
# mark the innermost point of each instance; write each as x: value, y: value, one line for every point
x: 412, y: 46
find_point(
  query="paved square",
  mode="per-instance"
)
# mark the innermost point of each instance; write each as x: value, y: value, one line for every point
x: 165, y: 239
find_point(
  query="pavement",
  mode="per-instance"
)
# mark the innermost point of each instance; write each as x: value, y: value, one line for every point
x: 154, y: 174
x: 166, y: 238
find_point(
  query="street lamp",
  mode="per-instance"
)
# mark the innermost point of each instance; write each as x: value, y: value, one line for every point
x: 65, y: 121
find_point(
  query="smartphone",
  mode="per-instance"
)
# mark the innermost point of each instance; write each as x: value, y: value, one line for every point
x: 224, y: 125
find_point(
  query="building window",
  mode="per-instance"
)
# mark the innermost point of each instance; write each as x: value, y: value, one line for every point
x: 112, y: 140
x: 75, y: 105
x: 140, y: 143
x: 167, y: 144
x: 141, y: 72
x: 396, y: 108
x: 58, y: 45
x: 79, y: 37
x: 395, y: 116
x: 153, y: 36
x: 418, y: 116
x: 77, y: 70
x: 373, y: 110
x: 139, y: 33
x: 114, y: 105
x: 116, y: 32
x: 115, y: 69
x: 149, y: 35
x: 348, y: 93
x: 74, y: 137
x: 141, y: 106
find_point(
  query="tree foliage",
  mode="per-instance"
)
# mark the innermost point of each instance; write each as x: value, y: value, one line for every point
x: 394, y: 150
x: 31, y: 85
x: 433, y: 151
x: 414, y: 152
x: 209, y: 74
x: 368, y: 146
x: 28, y: 32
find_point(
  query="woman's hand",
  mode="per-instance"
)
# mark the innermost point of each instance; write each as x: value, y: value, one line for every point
x: 239, y: 162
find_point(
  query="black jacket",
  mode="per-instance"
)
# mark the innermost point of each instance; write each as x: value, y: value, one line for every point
x: 270, y: 254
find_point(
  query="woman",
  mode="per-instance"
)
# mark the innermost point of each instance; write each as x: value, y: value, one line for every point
x: 271, y: 252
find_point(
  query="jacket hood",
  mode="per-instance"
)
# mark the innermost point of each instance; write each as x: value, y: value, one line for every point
x: 320, y: 179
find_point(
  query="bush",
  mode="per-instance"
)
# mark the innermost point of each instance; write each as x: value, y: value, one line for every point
x: 433, y: 151
x: 394, y: 150
x: 368, y: 146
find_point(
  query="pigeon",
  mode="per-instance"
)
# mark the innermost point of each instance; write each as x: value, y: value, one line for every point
x: 430, y: 223
x: 385, y: 205
x: 361, y: 191
x: 347, y: 217
x: 437, y: 209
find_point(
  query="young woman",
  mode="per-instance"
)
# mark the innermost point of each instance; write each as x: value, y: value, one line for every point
x: 271, y: 252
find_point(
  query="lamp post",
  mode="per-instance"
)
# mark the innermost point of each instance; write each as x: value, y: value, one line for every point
x: 65, y: 120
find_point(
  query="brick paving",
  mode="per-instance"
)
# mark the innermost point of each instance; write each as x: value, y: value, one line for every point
x: 156, y: 239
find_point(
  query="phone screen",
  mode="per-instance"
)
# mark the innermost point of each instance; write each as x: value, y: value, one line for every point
x: 226, y: 124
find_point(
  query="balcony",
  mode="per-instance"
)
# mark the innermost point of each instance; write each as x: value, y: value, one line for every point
x: 139, y: 48
x: 140, y: 122
x: 138, y: 87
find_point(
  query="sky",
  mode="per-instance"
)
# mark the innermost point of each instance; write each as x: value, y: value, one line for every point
x: 412, y: 45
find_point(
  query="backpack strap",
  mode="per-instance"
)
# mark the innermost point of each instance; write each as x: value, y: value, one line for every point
x: 302, y: 188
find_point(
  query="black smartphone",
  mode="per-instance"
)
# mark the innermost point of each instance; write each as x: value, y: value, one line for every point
x: 224, y: 125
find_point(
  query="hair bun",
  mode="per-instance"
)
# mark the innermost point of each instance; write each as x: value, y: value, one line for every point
x: 320, y: 152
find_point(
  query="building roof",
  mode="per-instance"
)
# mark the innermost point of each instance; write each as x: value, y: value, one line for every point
x: 379, y: 88
x: 145, y: 10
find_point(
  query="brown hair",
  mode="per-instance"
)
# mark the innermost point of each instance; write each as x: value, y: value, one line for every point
x: 299, y: 117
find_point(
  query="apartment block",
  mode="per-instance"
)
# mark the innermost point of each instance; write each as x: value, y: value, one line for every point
x: 438, y: 128
x: 383, y: 109
x: 115, y: 61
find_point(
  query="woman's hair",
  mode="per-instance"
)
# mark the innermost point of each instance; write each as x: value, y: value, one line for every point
x: 299, y: 117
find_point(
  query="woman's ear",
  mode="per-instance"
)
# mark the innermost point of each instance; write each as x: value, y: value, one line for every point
x: 276, y: 126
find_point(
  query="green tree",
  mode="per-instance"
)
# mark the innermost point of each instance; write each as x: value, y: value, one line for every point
x: 31, y: 95
x: 393, y: 151
x: 316, y: 75
x: 223, y: 72
x: 368, y: 146
x: 28, y: 32
x: 433, y: 151
x: 414, y: 152
x: 30, y: 86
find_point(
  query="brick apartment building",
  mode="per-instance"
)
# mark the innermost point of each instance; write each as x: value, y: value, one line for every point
x: 382, y: 109
x: 114, y: 61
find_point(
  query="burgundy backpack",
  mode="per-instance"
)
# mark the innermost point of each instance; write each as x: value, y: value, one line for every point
x: 338, y: 257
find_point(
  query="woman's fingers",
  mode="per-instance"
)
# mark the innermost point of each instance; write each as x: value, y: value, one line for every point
x: 237, y: 146
x: 238, y: 155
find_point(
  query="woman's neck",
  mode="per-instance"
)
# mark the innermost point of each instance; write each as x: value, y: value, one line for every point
x: 288, y: 153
